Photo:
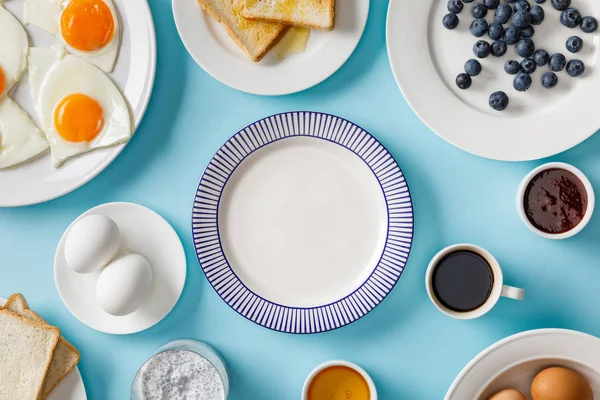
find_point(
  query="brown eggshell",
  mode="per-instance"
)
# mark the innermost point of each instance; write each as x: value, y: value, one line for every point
x: 559, y: 383
x: 508, y: 394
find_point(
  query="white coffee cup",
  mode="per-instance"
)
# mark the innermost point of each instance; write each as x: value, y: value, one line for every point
x: 339, y: 363
x: 498, y: 289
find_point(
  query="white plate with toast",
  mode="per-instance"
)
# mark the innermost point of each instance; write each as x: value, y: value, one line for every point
x: 38, y: 181
x: 69, y: 388
x: 250, y: 57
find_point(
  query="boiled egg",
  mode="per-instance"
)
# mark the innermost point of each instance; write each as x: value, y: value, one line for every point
x: 124, y: 285
x: 14, y: 47
x: 557, y: 383
x: 91, y: 243
x: 508, y: 394
x: 80, y: 108
x: 89, y: 28
x: 20, y: 139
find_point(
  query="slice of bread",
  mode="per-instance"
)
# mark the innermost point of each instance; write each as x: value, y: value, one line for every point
x: 26, y: 350
x: 317, y: 14
x: 256, y: 38
x: 66, y: 356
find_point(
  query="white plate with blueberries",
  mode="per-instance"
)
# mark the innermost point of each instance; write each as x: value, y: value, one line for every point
x: 509, y: 80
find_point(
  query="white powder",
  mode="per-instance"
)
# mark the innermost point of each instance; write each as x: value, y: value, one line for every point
x: 181, y: 375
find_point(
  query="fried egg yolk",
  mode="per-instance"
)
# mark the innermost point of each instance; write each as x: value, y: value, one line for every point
x: 2, y: 82
x: 87, y: 25
x: 78, y: 118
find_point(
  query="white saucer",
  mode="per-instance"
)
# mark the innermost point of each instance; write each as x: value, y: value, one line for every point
x: 144, y: 232
x: 70, y: 388
x: 212, y: 49
x: 513, y: 363
x: 426, y: 58
x: 37, y: 181
x: 303, y: 222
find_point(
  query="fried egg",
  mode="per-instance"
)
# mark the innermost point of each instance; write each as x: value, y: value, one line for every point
x: 20, y: 139
x: 80, y: 108
x: 88, y: 28
x: 14, y: 46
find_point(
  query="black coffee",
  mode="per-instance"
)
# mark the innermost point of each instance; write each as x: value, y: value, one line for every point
x: 463, y: 281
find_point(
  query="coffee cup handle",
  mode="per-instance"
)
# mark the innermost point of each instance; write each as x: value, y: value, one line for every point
x: 512, y: 292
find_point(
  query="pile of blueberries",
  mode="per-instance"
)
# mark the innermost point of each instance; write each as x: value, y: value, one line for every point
x: 520, y: 20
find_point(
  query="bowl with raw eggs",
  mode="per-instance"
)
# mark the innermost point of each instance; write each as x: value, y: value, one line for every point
x: 544, y: 364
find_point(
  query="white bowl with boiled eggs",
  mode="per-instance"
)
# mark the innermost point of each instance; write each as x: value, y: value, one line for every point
x: 551, y: 364
x: 120, y: 268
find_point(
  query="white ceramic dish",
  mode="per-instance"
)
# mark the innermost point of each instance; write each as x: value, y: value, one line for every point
x: 70, y: 388
x: 514, y: 362
x: 339, y: 363
x: 426, y: 58
x: 38, y: 181
x: 303, y: 222
x: 590, y: 197
x: 144, y: 232
x: 212, y: 49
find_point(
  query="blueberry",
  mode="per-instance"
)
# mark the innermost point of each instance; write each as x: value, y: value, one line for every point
x: 479, y: 10
x: 525, y: 48
x: 479, y: 27
x: 510, y: 1
x: 472, y: 67
x: 467, y: 1
x: 537, y: 15
x: 482, y: 49
x: 522, y: 82
x: 589, y: 24
x: 570, y: 18
x: 540, y: 1
x: 561, y: 5
x: 491, y: 4
x: 499, y: 48
x: 527, y: 32
x: 528, y: 66
x: 455, y: 6
x: 575, y: 68
x: 503, y: 13
x: 557, y: 62
x: 522, y: 5
x: 512, y: 34
x: 574, y: 44
x: 549, y: 80
x: 541, y: 57
x: 512, y: 67
x: 496, y: 31
x: 463, y: 81
x: 450, y: 21
x: 521, y: 19
x: 499, y: 101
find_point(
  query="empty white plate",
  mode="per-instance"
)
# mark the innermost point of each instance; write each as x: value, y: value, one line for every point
x: 37, y: 181
x: 143, y: 232
x: 514, y: 362
x: 70, y: 388
x: 303, y: 222
x: 426, y: 58
x: 212, y: 49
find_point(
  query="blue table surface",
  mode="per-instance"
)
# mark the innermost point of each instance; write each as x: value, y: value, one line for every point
x: 411, y: 350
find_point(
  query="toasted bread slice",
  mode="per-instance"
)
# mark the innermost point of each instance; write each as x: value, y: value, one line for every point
x: 317, y: 14
x: 26, y: 350
x: 66, y: 356
x: 256, y: 38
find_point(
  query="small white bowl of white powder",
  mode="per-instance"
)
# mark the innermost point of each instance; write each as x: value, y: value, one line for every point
x: 181, y: 370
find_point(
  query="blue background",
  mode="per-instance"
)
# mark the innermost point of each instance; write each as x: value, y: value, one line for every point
x: 411, y: 350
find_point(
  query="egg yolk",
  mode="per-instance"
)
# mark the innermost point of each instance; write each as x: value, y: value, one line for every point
x: 2, y: 79
x: 87, y: 25
x: 78, y: 118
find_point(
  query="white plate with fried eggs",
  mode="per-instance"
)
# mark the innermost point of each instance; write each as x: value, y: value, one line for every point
x: 86, y: 87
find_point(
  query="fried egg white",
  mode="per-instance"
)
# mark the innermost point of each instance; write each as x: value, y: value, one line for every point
x: 20, y: 139
x: 14, y: 47
x: 88, y: 28
x: 80, y: 108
